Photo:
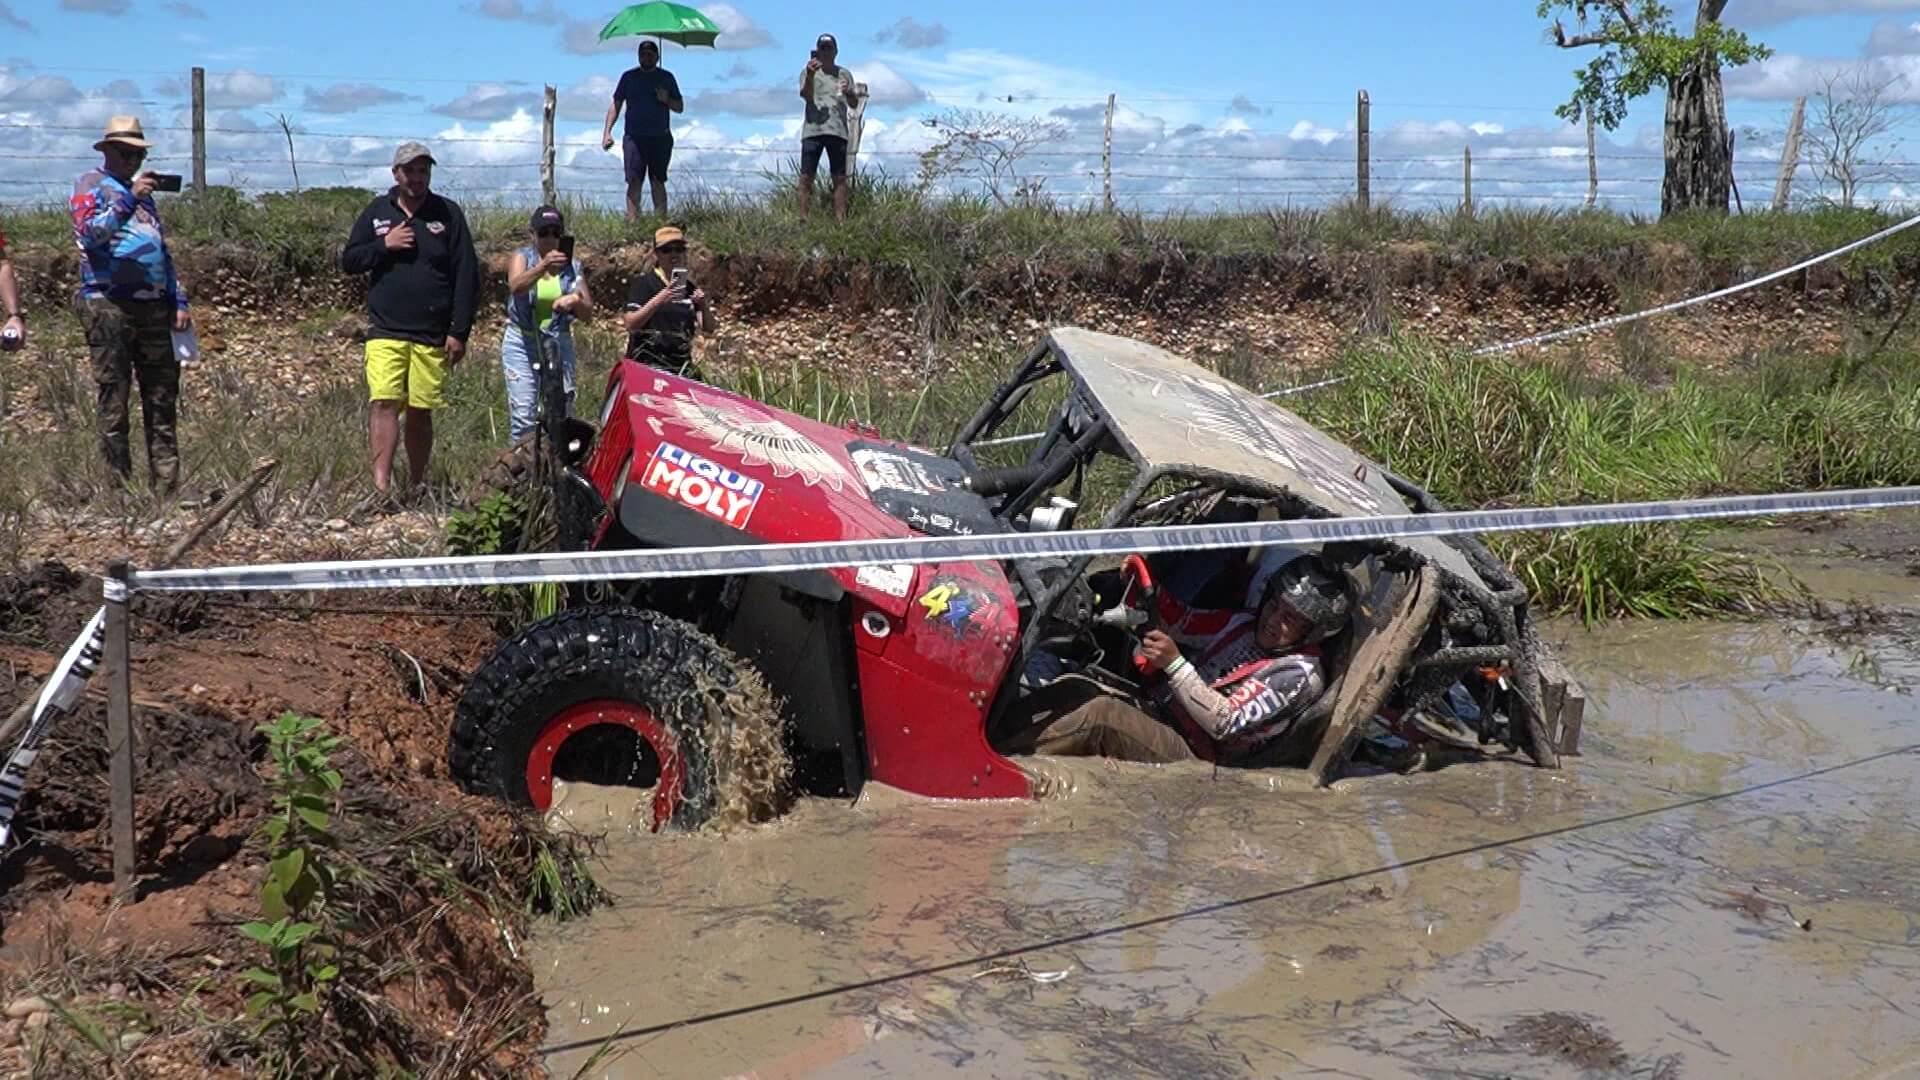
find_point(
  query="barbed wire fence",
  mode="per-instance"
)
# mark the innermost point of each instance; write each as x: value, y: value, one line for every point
x: 1231, y: 168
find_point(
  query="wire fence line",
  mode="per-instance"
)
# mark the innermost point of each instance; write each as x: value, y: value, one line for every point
x: 1228, y: 168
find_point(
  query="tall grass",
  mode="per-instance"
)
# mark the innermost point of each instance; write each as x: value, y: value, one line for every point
x: 1488, y: 431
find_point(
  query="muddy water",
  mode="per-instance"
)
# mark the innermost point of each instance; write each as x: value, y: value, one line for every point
x: 1180, y: 922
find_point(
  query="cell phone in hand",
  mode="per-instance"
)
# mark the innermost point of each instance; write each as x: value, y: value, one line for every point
x: 566, y: 247
x: 679, y: 283
x: 166, y: 181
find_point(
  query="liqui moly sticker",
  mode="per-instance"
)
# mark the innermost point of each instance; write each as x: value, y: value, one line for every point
x: 691, y: 480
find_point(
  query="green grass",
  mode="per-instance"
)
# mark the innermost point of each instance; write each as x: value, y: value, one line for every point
x: 1489, y: 431
x: 896, y: 225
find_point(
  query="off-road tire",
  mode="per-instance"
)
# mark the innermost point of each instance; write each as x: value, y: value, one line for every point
x: 685, y: 679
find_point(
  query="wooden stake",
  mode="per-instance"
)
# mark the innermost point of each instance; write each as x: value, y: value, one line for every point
x: 1363, y: 139
x: 1790, y: 156
x: 1593, y: 164
x: 1106, y: 156
x: 1467, y: 165
x: 549, y: 189
x: 199, y: 131
x: 118, y: 660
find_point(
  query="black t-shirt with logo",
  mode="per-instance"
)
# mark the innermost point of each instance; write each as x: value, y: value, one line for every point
x: 669, y: 333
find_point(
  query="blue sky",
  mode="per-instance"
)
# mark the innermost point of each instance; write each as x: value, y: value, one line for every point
x: 1248, y: 103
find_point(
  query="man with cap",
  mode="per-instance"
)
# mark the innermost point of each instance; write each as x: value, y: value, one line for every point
x: 829, y: 90
x: 421, y: 305
x: 650, y: 94
x: 130, y: 301
x: 665, y: 309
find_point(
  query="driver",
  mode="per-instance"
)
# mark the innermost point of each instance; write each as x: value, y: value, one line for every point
x: 1248, y: 683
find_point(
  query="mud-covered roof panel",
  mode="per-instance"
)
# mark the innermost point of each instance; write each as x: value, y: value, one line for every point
x: 1173, y: 413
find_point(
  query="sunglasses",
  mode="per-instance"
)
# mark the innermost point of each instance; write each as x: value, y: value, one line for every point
x: 674, y: 249
x: 133, y: 152
x: 547, y: 231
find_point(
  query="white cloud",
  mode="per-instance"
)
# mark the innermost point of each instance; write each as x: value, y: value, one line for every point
x: 233, y: 90
x: 886, y: 88
x: 8, y: 18
x: 1767, y: 12
x: 1786, y: 76
x: 489, y: 101
x: 910, y: 33
x: 585, y: 101
x: 186, y: 11
x: 98, y: 7
x: 517, y: 10
x: 1241, y: 105
x: 38, y: 90
x: 740, y: 70
x: 352, y: 97
x: 1891, y: 38
x: 747, y: 101
x: 737, y: 31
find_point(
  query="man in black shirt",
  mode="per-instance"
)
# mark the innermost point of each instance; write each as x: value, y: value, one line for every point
x: 665, y: 309
x: 420, y: 304
x: 649, y: 92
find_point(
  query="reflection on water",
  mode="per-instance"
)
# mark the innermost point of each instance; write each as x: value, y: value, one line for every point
x: 1276, y: 929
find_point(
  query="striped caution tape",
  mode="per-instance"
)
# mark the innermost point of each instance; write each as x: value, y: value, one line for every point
x: 63, y: 691
x: 781, y: 558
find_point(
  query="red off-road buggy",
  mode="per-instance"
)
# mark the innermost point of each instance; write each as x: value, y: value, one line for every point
x: 898, y: 674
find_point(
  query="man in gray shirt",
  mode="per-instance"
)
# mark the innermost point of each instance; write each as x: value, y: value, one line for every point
x: 828, y: 90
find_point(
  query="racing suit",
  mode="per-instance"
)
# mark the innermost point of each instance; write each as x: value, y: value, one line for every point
x: 1236, y: 697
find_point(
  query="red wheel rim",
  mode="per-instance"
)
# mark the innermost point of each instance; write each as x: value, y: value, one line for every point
x: 667, y: 791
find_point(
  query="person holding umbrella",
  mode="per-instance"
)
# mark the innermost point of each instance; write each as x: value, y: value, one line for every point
x: 650, y: 94
x: 829, y: 90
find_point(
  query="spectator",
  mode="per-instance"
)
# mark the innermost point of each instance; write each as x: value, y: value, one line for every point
x: 828, y: 89
x: 649, y: 92
x: 665, y: 309
x: 130, y: 301
x: 420, y: 302
x: 545, y: 293
x: 13, y: 333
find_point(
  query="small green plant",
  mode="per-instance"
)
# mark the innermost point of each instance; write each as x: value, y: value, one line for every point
x: 291, y: 989
x: 491, y: 527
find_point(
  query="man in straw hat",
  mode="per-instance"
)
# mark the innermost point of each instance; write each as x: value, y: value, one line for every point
x: 130, y: 300
x: 421, y: 305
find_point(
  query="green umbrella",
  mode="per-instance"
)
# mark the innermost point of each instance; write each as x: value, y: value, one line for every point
x: 677, y: 23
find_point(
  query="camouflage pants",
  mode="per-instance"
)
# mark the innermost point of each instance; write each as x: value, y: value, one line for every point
x: 133, y: 340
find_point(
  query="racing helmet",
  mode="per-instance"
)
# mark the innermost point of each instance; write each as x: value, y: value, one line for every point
x: 1316, y: 593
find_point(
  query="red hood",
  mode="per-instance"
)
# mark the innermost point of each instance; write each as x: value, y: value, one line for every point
x: 811, y: 486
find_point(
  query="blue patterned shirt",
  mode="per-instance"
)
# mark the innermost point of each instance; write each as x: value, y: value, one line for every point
x: 123, y: 254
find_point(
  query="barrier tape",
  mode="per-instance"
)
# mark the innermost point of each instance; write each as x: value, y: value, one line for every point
x: 822, y: 555
x: 65, y: 686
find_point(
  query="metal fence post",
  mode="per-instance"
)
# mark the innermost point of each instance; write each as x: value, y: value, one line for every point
x: 118, y: 659
x: 1106, y: 158
x: 549, y: 188
x: 1466, y: 202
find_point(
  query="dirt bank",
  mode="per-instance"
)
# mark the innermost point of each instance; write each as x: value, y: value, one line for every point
x: 434, y: 886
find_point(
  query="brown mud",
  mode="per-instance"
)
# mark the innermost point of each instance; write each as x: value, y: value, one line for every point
x: 439, y: 882
x: 1174, y: 921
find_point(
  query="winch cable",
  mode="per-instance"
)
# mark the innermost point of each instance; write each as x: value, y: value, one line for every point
x: 1587, y: 328
x: 1207, y: 910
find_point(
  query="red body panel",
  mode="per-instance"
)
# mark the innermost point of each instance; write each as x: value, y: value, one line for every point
x: 927, y: 682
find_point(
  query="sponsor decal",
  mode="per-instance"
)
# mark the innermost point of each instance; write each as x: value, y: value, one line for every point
x: 436, y: 227
x: 894, y: 579
x: 953, y: 606
x: 691, y: 480
x: 757, y: 436
x: 882, y: 471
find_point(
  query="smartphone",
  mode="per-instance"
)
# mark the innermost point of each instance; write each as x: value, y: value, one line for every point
x: 678, y: 281
x: 566, y: 247
x: 166, y: 181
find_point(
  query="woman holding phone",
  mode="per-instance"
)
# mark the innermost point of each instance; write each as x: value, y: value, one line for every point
x: 545, y: 292
x: 665, y: 309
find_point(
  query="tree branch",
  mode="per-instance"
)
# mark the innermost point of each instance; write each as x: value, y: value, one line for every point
x: 1624, y: 9
x: 1561, y: 39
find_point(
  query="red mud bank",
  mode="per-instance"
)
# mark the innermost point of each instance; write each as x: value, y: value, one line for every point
x: 1408, y: 285
x: 434, y: 884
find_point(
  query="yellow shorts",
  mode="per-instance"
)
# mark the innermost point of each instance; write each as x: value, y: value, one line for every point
x: 406, y: 371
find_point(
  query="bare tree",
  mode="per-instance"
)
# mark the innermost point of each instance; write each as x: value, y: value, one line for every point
x: 1853, y: 110
x: 987, y: 148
